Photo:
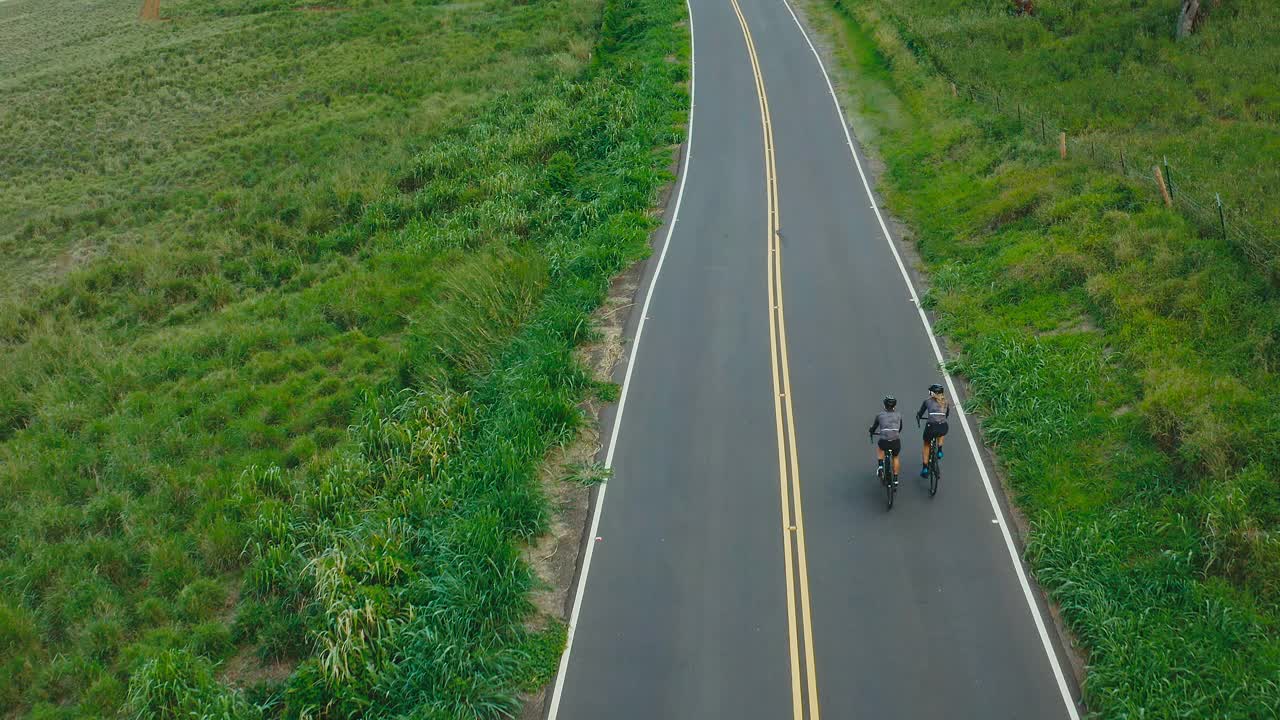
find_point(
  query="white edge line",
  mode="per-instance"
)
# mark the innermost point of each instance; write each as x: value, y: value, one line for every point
x: 964, y: 422
x: 626, y: 387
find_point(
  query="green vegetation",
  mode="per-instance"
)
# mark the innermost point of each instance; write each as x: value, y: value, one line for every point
x: 290, y: 298
x: 1110, y: 75
x: 1124, y: 358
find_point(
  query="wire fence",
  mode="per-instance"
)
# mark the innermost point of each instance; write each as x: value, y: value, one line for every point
x: 1203, y: 206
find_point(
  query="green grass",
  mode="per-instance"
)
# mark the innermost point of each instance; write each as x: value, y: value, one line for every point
x: 1110, y: 75
x: 1123, y: 358
x: 290, y: 304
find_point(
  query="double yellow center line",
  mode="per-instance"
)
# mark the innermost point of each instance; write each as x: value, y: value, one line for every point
x: 804, y: 679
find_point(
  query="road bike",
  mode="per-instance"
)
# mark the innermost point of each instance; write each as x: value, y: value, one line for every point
x: 888, y: 478
x: 935, y: 464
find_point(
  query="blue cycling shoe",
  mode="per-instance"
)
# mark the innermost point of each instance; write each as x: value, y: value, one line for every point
x: 924, y: 472
x: 940, y: 454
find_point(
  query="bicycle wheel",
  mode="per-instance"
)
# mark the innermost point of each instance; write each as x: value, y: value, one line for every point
x: 889, y: 484
x: 935, y: 468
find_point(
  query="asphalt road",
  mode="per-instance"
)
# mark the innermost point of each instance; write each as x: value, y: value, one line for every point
x: 743, y: 564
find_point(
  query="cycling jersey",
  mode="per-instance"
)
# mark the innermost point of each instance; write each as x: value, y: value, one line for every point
x: 931, y: 411
x: 888, y: 423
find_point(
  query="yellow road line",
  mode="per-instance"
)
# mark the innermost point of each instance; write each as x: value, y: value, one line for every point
x: 788, y: 457
x: 783, y: 476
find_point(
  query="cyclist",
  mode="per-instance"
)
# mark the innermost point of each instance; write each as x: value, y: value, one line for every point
x: 934, y: 411
x: 888, y: 425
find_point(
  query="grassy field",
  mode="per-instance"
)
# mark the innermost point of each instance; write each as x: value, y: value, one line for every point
x: 1124, y: 358
x: 288, y: 298
x: 1128, y: 96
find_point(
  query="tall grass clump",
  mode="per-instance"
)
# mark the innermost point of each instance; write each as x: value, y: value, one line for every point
x: 1122, y: 358
x: 275, y: 397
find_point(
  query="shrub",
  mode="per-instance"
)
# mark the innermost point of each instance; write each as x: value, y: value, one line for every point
x: 176, y: 685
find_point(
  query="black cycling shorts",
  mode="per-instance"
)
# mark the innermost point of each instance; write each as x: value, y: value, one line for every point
x: 933, y: 430
x: 891, y: 445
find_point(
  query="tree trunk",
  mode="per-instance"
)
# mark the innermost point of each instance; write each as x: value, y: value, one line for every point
x: 1187, y: 18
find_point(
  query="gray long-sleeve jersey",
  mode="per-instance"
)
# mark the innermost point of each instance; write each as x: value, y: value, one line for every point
x: 933, y: 411
x: 888, y: 423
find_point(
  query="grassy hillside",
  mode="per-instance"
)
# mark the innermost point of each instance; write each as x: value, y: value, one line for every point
x: 1124, y: 356
x: 289, y: 298
x: 1110, y: 74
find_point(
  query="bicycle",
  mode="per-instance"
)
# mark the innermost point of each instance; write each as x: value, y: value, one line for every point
x: 888, y: 478
x: 935, y: 465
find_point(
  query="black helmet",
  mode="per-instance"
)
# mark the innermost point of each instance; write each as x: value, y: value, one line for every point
x: 890, y: 402
x: 935, y: 388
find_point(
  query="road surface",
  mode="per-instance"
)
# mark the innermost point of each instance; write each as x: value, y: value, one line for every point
x: 742, y: 563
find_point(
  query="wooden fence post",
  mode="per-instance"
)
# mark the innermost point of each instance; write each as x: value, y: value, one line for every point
x: 1062, y: 144
x: 1164, y: 190
x: 954, y: 92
